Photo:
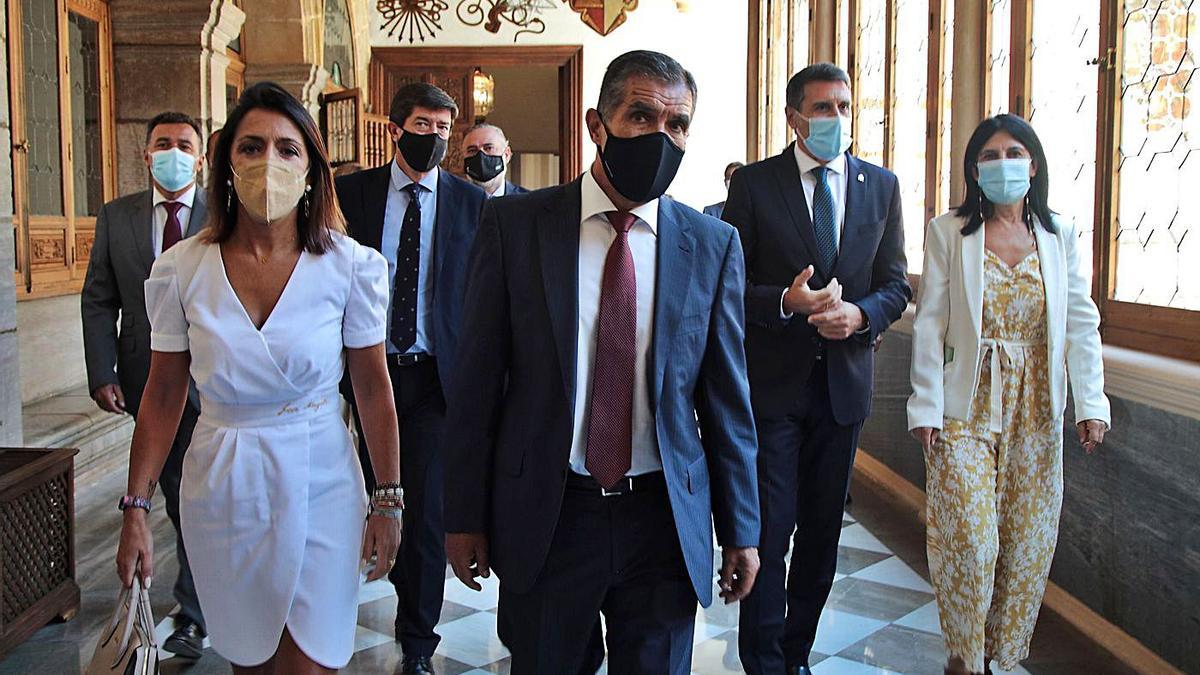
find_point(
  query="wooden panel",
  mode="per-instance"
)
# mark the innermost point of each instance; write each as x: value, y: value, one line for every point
x: 1159, y: 330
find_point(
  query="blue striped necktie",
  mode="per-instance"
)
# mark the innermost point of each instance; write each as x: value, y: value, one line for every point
x: 824, y: 220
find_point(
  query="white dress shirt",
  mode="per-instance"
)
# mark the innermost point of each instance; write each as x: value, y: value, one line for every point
x: 393, y: 223
x: 500, y: 190
x: 160, y: 216
x: 595, y: 236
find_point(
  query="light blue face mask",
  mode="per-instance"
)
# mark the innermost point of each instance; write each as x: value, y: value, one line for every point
x: 1004, y: 181
x: 828, y: 137
x: 173, y: 169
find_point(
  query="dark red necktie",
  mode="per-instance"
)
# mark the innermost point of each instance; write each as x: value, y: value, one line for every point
x: 172, y: 233
x: 610, y: 426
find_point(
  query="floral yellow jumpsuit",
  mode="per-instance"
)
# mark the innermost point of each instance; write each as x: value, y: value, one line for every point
x: 994, y: 481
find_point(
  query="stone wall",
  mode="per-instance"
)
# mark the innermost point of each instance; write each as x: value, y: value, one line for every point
x: 10, y: 382
x: 1129, y: 540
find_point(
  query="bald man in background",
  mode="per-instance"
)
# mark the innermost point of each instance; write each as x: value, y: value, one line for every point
x: 486, y: 154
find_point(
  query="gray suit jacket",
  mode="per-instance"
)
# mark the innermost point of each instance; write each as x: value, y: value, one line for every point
x: 114, y: 288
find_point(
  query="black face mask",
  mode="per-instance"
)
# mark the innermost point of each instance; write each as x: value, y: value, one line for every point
x: 421, y: 151
x: 482, y: 167
x: 640, y: 168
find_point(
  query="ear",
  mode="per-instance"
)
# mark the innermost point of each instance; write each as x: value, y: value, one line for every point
x: 508, y: 153
x: 793, y: 118
x: 1033, y: 168
x: 393, y: 130
x: 595, y: 126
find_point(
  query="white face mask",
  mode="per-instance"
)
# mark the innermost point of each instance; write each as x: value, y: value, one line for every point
x: 270, y: 188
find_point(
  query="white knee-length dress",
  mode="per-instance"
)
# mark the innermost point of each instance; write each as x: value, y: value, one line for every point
x: 272, y: 501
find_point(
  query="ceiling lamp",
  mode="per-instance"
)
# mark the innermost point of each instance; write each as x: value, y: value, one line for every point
x: 483, y: 92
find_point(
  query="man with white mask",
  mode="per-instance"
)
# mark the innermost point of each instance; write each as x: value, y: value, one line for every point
x: 131, y: 232
x: 825, y: 269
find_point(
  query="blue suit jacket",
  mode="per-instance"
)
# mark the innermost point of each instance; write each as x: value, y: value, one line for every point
x: 511, y: 188
x: 714, y: 210
x: 363, y: 198
x: 766, y: 204
x: 510, y: 410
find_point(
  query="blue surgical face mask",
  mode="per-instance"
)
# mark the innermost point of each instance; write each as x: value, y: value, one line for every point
x: 1004, y: 181
x: 173, y: 169
x: 827, y: 137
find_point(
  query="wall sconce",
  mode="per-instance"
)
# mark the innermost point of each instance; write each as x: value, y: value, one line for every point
x: 483, y: 92
x: 683, y: 5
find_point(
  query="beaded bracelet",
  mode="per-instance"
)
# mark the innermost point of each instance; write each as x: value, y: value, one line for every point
x: 388, y: 496
x: 134, y: 501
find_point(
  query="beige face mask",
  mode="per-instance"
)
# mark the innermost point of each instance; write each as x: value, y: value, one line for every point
x: 269, y: 188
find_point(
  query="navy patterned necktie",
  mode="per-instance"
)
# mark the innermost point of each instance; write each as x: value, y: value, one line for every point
x: 408, y: 274
x: 824, y: 220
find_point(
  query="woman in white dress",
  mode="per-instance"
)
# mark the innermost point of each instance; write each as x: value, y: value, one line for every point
x: 264, y: 310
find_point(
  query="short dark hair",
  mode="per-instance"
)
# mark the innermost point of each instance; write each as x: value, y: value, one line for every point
x: 975, y: 206
x: 640, y: 63
x: 171, y: 117
x: 817, y: 72
x: 419, y: 95
x: 733, y: 166
x: 324, y: 216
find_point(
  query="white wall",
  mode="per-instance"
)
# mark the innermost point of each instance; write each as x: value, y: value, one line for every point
x: 709, y: 40
x: 51, y: 347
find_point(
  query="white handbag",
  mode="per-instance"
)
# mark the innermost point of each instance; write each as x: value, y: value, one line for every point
x: 127, y: 646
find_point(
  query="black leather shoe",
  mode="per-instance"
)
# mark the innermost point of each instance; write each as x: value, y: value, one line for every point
x: 187, y: 642
x: 799, y: 670
x: 416, y: 665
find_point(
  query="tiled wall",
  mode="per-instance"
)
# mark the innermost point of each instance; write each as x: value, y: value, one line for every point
x: 1129, y: 544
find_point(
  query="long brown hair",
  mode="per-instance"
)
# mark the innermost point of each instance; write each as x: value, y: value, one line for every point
x: 323, y: 216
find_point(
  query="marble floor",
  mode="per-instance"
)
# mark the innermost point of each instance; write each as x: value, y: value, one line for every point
x: 881, y: 617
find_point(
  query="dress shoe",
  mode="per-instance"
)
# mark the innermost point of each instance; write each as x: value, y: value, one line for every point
x: 416, y: 665
x: 798, y: 670
x: 187, y: 642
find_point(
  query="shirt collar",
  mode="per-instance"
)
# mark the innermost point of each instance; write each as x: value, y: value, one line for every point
x: 401, y: 179
x: 500, y: 190
x: 187, y: 198
x: 807, y: 164
x: 595, y: 203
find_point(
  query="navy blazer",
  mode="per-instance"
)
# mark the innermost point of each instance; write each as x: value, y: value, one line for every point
x: 510, y: 411
x: 363, y: 198
x: 511, y: 188
x: 714, y: 210
x: 766, y: 204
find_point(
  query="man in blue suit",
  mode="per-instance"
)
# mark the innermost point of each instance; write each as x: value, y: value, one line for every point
x: 486, y: 156
x: 423, y: 220
x: 825, y: 275
x: 599, y: 421
x: 715, y: 210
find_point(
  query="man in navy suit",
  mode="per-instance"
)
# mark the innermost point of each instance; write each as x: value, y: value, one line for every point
x: 715, y: 210
x: 422, y: 219
x: 825, y: 275
x: 599, y: 421
x: 486, y: 155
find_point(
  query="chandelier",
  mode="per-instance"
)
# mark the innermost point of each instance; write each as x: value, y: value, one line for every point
x: 483, y: 92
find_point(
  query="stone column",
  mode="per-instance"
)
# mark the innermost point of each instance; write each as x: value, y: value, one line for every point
x: 10, y: 363
x: 167, y: 60
x: 283, y: 44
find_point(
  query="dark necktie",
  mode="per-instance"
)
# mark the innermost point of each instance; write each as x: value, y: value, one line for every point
x: 172, y: 232
x: 610, y: 426
x: 408, y: 274
x: 824, y: 220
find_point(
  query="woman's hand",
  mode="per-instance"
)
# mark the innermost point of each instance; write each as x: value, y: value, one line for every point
x: 926, y: 436
x: 1091, y: 434
x: 381, y: 540
x: 135, y: 553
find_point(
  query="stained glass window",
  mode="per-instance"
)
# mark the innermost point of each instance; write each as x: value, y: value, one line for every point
x: 86, y: 132
x: 871, y: 58
x: 999, y: 59
x: 909, y: 121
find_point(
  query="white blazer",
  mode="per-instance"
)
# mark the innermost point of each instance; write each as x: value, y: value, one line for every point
x: 947, y: 339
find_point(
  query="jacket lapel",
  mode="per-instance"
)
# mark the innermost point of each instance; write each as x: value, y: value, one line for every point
x: 972, y: 273
x: 374, y: 205
x: 142, y: 226
x: 1050, y: 259
x: 788, y: 176
x: 199, y: 218
x: 855, y: 229
x: 674, y: 273
x: 558, y: 248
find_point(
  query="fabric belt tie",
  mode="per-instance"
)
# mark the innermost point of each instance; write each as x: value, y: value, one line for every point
x: 270, y: 414
x: 999, y: 348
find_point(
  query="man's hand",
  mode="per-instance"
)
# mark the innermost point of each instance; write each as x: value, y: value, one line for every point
x: 110, y: 398
x: 840, y: 322
x: 739, y: 567
x: 468, y: 556
x: 800, y: 299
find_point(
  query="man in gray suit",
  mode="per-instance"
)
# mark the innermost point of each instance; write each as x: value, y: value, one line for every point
x: 715, y: 210
x: 130, y: 233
